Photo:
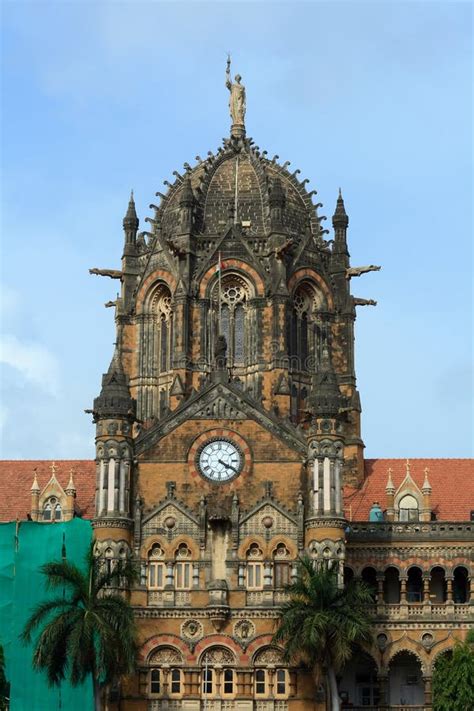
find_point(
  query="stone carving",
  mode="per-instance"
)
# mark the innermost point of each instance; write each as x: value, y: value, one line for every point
x: 192, y: 629
x: 237, y: 103
x: 357, y: 271
x: 244, y: 629
x: 269, y: 655
x: 218, y: 655
x: 166, y: 655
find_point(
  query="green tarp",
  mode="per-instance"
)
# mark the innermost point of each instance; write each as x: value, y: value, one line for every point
x: 24, y: 547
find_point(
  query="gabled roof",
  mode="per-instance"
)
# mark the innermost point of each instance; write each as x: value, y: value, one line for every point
x: 16, y: 478
x: 452, y: 484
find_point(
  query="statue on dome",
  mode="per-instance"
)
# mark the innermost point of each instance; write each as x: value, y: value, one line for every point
x: 237, y: 97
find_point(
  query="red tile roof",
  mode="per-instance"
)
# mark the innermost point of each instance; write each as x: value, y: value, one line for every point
x: 452, y: 484
x: 16, y: 478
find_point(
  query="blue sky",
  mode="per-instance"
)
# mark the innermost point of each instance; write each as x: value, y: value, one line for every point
x: 102, y: 97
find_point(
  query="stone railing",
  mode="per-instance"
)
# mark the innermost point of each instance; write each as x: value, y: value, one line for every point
x: 265, y: 598
x: 409, y: 530
x: 422, y: 611
x: 169, y: 598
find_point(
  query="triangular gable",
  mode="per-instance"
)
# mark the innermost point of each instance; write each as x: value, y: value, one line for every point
x: 221, y: 401
x: 284, y: 523
x: 184, y: 521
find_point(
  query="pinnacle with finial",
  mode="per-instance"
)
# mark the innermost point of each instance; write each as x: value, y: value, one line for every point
x: 340, y: 218
x: 71, y: 486
x: 35, y: 487
x: 390, y: 487
x: 130, y: 221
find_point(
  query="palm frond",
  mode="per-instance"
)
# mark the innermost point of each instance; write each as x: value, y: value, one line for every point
x: 40, y: 614
x: 64, y: 573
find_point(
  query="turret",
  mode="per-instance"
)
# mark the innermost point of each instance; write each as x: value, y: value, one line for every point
x: 340, y: 221
x: 70, y: 492
x: 325, y: 523
x: 114, y: 414
x: 35, y: 493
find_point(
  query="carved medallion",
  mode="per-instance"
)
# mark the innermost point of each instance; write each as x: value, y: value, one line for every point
x: 192, y: 629
x: 244, y: 629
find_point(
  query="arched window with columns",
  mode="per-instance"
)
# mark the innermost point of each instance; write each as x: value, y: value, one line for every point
x: 165, y: 674
x: 231, y: 317
x: 218, y: 673
x: 271, y: 676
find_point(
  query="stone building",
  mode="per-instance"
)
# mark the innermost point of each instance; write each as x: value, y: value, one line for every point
x: 228, y: 441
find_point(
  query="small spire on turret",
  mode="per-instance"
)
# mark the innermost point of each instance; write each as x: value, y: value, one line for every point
x: 71, y: 487
x: 426, y: 488
x: 130, y: 221
x: 390, y: 487
x: 340, y: 218
x: 35, y: 486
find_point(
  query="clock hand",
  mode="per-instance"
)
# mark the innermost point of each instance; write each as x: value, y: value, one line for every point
x: 228, y: 466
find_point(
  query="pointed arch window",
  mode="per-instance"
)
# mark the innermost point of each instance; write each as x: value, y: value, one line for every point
x: 230, y: 316
x: 305, y: 328
x: 161, y: 309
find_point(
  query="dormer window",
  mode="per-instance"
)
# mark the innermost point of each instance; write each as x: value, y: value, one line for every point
x: 408, y: 509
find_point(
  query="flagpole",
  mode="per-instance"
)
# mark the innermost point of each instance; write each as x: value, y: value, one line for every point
x: 220, y: 293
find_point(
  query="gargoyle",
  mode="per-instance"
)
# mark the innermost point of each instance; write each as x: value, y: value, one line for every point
x: 112, y: 273
x: 175, y: 250
x: 364, y: 302
x: 109, y: 304
x: 357, y: 271
x: 279, y: 252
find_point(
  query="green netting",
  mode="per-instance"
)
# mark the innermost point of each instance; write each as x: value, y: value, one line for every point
x: 24, y: 547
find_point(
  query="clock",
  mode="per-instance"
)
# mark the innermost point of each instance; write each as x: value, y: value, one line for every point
x: 219, y: 460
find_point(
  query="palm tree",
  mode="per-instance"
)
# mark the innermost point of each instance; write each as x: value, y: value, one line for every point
x: 88, y: 628
x: 321, y: 622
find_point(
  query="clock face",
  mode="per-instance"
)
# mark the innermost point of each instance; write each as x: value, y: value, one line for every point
x: 220, y: 460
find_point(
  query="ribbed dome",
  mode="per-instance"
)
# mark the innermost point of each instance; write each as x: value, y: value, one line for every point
x: 213, y: 183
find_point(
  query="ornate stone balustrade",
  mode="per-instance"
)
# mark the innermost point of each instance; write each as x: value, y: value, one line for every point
x: 422, y: 611
x: 409, y: 530
x: 169, y: 598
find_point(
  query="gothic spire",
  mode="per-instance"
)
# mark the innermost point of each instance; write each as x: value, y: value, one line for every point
x: 340, y: 218
x: 130, y: 221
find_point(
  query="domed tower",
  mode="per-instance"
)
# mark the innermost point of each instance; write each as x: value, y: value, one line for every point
x: 233, y: 392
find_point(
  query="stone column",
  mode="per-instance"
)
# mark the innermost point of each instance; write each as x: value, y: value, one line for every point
x: 428, y: 693
x: 449, y: 589
x: 403, y: 591
x: 380, y: 597
x: 426, y: 591
x: 382, y: 678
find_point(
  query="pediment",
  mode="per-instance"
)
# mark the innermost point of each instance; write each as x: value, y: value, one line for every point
x: 155, y: 523
x: 284, y: 523
x: 221, y: 401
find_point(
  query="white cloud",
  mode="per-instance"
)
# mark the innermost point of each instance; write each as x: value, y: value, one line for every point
x: 32, y: 360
